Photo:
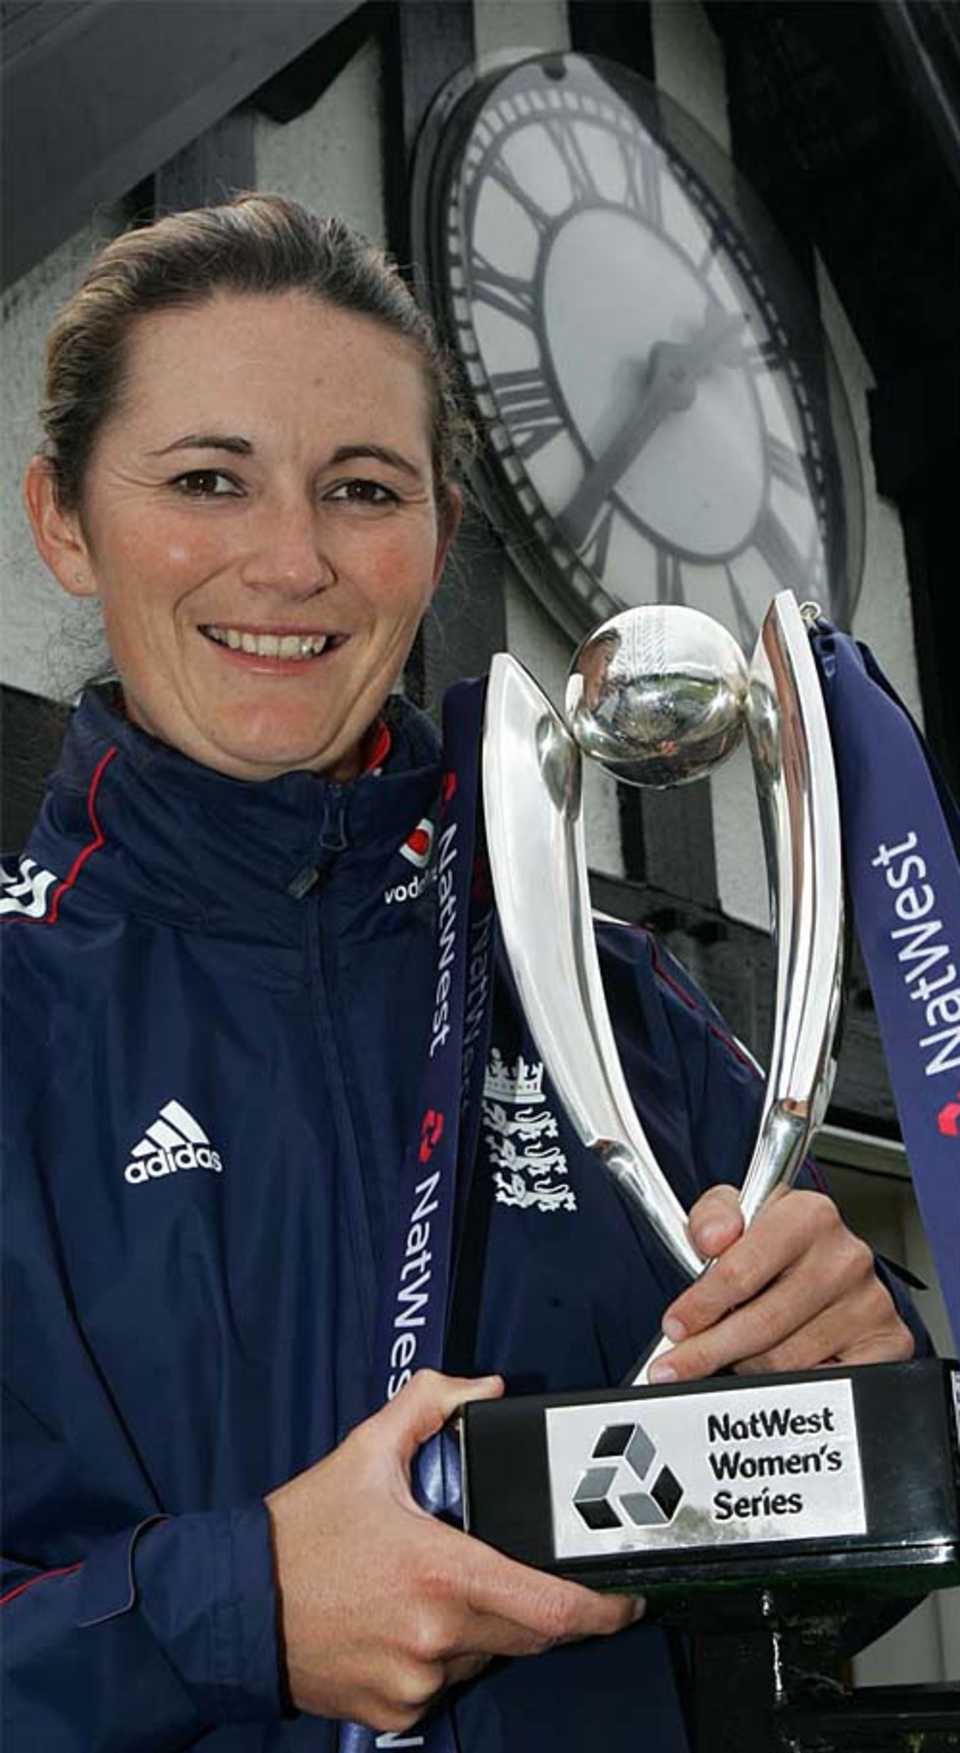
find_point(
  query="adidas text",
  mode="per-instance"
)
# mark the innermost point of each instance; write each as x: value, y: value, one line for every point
x: 167, y: 1162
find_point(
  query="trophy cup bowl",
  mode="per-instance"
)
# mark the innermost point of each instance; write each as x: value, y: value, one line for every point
x: 625, y: 1487
x: 658, y: 697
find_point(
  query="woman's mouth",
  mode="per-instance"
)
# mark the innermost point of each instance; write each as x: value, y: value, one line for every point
x: 285, y: 647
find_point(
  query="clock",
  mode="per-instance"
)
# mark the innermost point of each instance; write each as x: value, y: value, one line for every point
x: 649, y: 375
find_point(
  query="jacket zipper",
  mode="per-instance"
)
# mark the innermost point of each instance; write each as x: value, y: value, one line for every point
x: 354, y: 1191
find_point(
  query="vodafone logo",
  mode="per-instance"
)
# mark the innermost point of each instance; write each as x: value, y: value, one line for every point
x: 418, y: 845
x: 948, y: 1119
x: 417, y: 849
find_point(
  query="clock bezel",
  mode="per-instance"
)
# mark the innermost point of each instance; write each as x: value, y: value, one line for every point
x: 745, y: 238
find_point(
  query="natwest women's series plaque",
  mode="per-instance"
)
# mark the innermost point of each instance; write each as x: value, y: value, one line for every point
x: 830, y: 1477
x: 839, y: 1480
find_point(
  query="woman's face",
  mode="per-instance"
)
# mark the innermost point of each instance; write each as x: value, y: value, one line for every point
x: 260, y: 525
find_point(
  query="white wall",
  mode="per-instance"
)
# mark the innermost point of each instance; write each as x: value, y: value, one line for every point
x: 330, y: 158
x: 47, y: 642
x: 520, y: 24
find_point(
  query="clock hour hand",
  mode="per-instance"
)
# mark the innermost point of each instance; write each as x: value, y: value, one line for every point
x: 669, y: 387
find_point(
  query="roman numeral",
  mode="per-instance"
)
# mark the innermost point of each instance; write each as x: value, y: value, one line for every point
x: 502, y: 174
x: 669, y: 578
x: 577, y: 165
x: 769, y: 355
x: 642, y: 172
x: 712, y: 246
x: 786, y: 464
x: 527, y: 408
x: 595, y: 549
x: 746, y: 625
x: 508, y: 293
x: 783, y: 558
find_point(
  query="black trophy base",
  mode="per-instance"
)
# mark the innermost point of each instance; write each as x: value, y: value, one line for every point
x: 768, y: 1491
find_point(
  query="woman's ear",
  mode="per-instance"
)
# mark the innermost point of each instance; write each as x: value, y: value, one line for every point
x: 58, y: 534
x: 448, y: 523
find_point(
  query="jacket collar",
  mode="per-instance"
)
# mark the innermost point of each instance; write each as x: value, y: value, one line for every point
x: 166, y: 838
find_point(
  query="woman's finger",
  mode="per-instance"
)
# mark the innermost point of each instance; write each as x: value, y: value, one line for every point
x: 782, y: 1235
x: 422, y: 1408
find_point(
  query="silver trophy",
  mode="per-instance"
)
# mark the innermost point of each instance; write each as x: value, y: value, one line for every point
x: 659, y: 696
x: 753, y: 1487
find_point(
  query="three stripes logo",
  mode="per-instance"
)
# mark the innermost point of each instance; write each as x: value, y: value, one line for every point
x: 175, y: 1141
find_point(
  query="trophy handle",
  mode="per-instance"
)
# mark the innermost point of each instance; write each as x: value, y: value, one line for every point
x: 532, y: 776
x: 797, y: 791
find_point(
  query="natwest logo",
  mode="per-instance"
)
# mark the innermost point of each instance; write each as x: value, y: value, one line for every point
x: 431, y: 1132
x: 948, y: 1119
x: 629, y: 1485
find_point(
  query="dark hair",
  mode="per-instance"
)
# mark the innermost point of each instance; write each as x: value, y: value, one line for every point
x: 254, y: 243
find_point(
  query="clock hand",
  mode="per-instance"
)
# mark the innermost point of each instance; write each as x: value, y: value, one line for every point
x: 670, y: 386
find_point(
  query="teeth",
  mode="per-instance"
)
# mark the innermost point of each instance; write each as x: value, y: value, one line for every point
x: 293, y: 646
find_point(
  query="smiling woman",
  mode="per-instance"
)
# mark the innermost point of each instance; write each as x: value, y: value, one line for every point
x: 219, y: 979
x: 251, y: 459
x: 263, y: 574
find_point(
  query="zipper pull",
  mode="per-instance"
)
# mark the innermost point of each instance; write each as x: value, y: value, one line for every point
x: 303, y: 882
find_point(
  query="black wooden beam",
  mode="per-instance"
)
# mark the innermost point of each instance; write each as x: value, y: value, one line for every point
x: 924, y: 36
x: 220, y: 163
x: 31, y: 731
x: 297, y: 87
x: 424, y: 45
x: 619, y: 30
x: 111, y: 89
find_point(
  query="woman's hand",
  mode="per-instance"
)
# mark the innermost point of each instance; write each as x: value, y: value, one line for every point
x: 382, y: 1606
x: 797, y: 1289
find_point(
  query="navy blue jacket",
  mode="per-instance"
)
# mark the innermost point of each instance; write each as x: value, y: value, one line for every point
x: 217, y: 996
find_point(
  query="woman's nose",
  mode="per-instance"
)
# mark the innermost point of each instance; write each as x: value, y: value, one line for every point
x: 289, y: 555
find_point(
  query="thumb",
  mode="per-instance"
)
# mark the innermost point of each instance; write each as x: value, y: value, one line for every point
x: 716, y: 1221
x: 424, y: 1404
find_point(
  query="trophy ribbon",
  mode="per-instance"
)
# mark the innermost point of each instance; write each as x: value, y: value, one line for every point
x: 901, y: 833
x: 417, y: 1278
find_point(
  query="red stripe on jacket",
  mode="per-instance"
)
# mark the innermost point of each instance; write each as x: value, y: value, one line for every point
x: 92, y: 846
x: 44, y: 1577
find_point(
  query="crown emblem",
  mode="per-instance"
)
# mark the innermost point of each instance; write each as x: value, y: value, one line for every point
x: 513, y: 1083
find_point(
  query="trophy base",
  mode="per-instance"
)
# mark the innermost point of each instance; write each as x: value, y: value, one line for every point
x: 764, y: 1490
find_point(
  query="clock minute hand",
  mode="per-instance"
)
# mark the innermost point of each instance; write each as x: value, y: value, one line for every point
x: 670, y: 387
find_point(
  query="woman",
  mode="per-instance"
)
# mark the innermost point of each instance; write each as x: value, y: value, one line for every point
x: 217, y: 1025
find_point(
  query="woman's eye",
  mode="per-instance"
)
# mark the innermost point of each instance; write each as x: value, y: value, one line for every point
x: 205, y: 484
x: 363, y: 492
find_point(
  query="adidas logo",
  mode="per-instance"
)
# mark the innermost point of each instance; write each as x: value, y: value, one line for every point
x: 174, y: 1141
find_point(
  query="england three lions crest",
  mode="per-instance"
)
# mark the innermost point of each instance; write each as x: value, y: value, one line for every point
x: 520, y: 1133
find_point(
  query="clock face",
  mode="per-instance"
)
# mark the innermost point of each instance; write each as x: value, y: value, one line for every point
x: 653, y: 431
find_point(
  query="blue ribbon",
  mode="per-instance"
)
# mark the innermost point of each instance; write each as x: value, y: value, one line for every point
x: 414, y: 1309
x: 901, y: 835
